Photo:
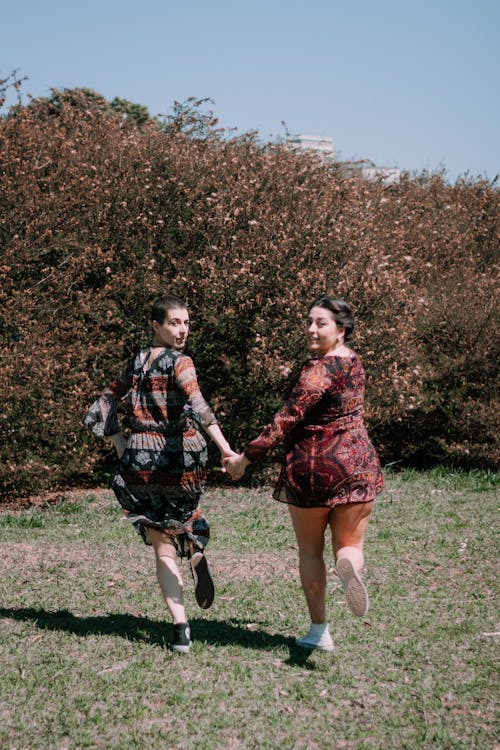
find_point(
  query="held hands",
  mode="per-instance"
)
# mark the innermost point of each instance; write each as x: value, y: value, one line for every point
x: 225, y: 454
x: 235, y: 465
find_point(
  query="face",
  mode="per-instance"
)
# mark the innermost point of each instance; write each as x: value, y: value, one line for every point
x: 173, y: 332
x: 323, y: 334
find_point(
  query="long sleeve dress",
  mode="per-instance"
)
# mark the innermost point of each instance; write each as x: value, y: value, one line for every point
x: 329, y: 458
x: 160, y: 478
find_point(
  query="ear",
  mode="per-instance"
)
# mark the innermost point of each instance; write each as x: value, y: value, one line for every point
x: 155, y: 325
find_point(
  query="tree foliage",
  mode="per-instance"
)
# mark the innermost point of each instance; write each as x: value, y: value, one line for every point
x: 12, y: 82
x: 100, y: 212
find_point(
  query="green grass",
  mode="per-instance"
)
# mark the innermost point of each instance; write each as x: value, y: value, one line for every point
x: 83, y: 630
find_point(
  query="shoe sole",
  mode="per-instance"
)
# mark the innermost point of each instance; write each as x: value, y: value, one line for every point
x: 180, y: 649
x: 355, y: 590
x: 204, y: 589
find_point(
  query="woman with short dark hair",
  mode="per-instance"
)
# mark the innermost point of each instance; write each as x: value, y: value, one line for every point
x: 162, y: 469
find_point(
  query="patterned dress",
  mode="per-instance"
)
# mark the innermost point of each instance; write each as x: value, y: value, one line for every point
x: 160, y: 477
x: 329, y: 458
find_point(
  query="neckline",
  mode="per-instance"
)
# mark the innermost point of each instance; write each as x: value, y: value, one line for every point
x: 352, y: 355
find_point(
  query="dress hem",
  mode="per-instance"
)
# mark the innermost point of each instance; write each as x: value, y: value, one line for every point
x: 324, y: 505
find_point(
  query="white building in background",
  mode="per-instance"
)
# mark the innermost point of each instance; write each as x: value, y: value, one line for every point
x: 364, y: 168
x: 369, y: 171
x: 318, y: 143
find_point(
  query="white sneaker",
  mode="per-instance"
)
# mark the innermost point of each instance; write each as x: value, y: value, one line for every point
x: 321, y: 641
x: 355, y: 590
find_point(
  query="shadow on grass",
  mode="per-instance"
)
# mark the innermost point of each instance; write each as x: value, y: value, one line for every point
x: 134, y: 628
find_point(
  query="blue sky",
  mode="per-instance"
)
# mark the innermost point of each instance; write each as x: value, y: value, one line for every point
x: 403, y: 83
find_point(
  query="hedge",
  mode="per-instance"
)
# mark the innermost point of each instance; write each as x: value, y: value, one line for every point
x: 100, y: 212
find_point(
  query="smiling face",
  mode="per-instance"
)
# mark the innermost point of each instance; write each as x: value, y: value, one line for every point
x: 323, y: 333
x: 173, y: 332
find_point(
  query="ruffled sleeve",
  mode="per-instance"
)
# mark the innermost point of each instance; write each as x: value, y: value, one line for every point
x: 186, y: 379
x: 102, y: 417
x: 311, y: 385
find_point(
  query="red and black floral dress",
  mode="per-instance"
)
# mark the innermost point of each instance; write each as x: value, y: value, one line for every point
x: 329, y: 457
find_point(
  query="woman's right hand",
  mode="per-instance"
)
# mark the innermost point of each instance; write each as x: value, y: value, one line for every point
x: 235, y: 466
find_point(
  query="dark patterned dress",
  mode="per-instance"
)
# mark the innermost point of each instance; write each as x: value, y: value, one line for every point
x: 160, y: 477
x: 329, y: 459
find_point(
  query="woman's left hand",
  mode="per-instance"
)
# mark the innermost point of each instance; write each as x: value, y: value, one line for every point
x: 225, y: 455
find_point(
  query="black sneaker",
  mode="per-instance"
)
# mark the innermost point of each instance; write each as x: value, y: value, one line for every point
x: 204, y: 590
x: 182, y: 638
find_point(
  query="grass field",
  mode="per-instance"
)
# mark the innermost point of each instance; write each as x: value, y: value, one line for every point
x: 83, y: 630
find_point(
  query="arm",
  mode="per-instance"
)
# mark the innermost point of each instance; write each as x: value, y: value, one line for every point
x: 187, y: 380
x: 215, y: 433
x: 311, y: 385
x: 102, y: 417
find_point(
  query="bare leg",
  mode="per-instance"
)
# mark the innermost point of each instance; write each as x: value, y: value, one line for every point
x: 309, y: 525
x: 348, y: 524
x: 168, y: 574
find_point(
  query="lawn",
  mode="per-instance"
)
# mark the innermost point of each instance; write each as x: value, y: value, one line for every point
x: 83, y: 630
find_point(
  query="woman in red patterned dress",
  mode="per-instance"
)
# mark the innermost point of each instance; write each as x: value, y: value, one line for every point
x: 160, y: 476
x: 331, y: 472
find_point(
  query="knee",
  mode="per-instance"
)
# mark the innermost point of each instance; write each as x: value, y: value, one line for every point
x: 312, y: 549
x: 311, y: 555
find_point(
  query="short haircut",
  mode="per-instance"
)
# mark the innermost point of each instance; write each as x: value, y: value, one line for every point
x: 163, y: 304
